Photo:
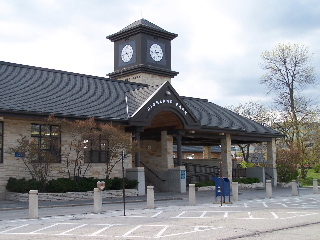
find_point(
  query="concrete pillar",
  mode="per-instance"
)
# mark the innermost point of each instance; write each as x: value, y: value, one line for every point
x: 268, y: 189
x: 294, y: 188
x: 138, y: 174
x: 150, y: 197
x: 97, y: 200
x: 226, y: 156
x: 33, y: 204
x: 315, y: 186
x: 137, y: 154
x: 271, y: 159
x: 179, y: 150
x: 207, y: 152
x: 192, y: 194
x: 235, y: 191
x: 166, y: 150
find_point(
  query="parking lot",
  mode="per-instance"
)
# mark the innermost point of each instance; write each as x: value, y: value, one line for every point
x: 285, y: 217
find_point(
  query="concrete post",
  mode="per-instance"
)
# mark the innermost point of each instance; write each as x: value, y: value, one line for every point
x: 235, y: 191
x: 150, y: 197
x: 97, y: 200
x: 33, y: 204
x: 192, y: 194
x: 294, y: 188
x: 315, y: 186
x: 268, y: 189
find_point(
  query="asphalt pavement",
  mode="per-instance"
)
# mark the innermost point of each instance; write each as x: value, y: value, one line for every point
x: 17, y: 209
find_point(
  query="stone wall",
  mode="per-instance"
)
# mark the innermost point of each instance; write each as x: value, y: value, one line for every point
x: 69, y: 196
x: 158, y: 155
x: 14, y: 167
x: 146, y: 78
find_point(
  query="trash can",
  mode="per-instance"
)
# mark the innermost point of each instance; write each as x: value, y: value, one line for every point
x: 222, y: 187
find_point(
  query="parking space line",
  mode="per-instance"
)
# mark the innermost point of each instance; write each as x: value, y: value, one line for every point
x: 103, y: 229
x: 158, y: 213
x: 65, y: 232
x: 51, y: 226
x: 11, y: 229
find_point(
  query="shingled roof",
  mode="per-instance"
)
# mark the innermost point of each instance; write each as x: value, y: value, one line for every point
x: 34, y: 90
x: 39, y: 91
x: 141, y: 26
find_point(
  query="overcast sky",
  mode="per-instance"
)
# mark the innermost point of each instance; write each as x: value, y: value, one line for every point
x: 217, y: 52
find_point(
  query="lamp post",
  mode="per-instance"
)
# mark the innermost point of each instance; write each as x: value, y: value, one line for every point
x: 123, y: 184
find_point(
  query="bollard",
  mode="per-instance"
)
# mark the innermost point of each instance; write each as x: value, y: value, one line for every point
x: 294, y: 188
x: 150, y: 197
x: 268, y: 189
x: 315, y: 186
x: 97, y: 200
x: 33, y: 204
x: 235, y: 191
x: 192, y: 194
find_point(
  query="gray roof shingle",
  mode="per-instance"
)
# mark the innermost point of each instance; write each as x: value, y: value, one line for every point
x: 33, y: 90
x: 45, y: 91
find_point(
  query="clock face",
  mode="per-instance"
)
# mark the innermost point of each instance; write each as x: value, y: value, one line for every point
x: 126, y: 53
x: 156, y: 52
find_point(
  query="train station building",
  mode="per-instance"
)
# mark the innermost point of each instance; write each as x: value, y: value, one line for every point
x: 138, y: 96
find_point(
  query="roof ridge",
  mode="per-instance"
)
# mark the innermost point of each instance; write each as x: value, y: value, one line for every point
x: 143, y: 22
x: 198, y: 99
x: 73, y: 73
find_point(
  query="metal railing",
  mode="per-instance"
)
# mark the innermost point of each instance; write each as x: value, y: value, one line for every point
x: 153, y: 173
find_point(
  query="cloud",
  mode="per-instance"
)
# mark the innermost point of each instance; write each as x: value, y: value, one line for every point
x: 217, y: 51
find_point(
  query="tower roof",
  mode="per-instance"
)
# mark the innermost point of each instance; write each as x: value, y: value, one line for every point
x: 141, y: 26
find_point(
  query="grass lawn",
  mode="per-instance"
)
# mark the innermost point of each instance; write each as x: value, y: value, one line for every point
x: 310, y: 176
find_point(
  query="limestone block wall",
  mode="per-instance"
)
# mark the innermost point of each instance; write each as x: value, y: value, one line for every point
x: 149, y: 79
x: 14, y: 167
x: 158, y: 155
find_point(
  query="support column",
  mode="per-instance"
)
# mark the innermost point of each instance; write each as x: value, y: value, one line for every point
x: 226, y: 157
x: 179, y: 150
x: 207, y: 152
x: 271, y: 160
x: 137, y: 154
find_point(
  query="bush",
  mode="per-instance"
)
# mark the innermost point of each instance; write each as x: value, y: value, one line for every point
x: 24, y: 186
x: 205, y: 184
x: 316, y: 168
x: 247, y: 180
x: 306, y: 182
x: 62, y: 185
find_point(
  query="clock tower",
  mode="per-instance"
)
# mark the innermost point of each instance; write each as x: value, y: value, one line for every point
x: 142, y: 53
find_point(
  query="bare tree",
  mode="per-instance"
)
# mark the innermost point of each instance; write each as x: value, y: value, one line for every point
x: 258, y: 113
x: 288, y: 72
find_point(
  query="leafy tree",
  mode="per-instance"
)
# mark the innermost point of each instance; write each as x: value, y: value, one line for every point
x: 288, y: 72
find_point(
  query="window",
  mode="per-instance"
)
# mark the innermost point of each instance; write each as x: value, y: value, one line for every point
x: 1, y: 142
x: 48, y: 138
x: 96, y: 151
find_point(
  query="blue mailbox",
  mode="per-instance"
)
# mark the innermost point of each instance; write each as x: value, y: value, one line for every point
x: 222, y: 187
